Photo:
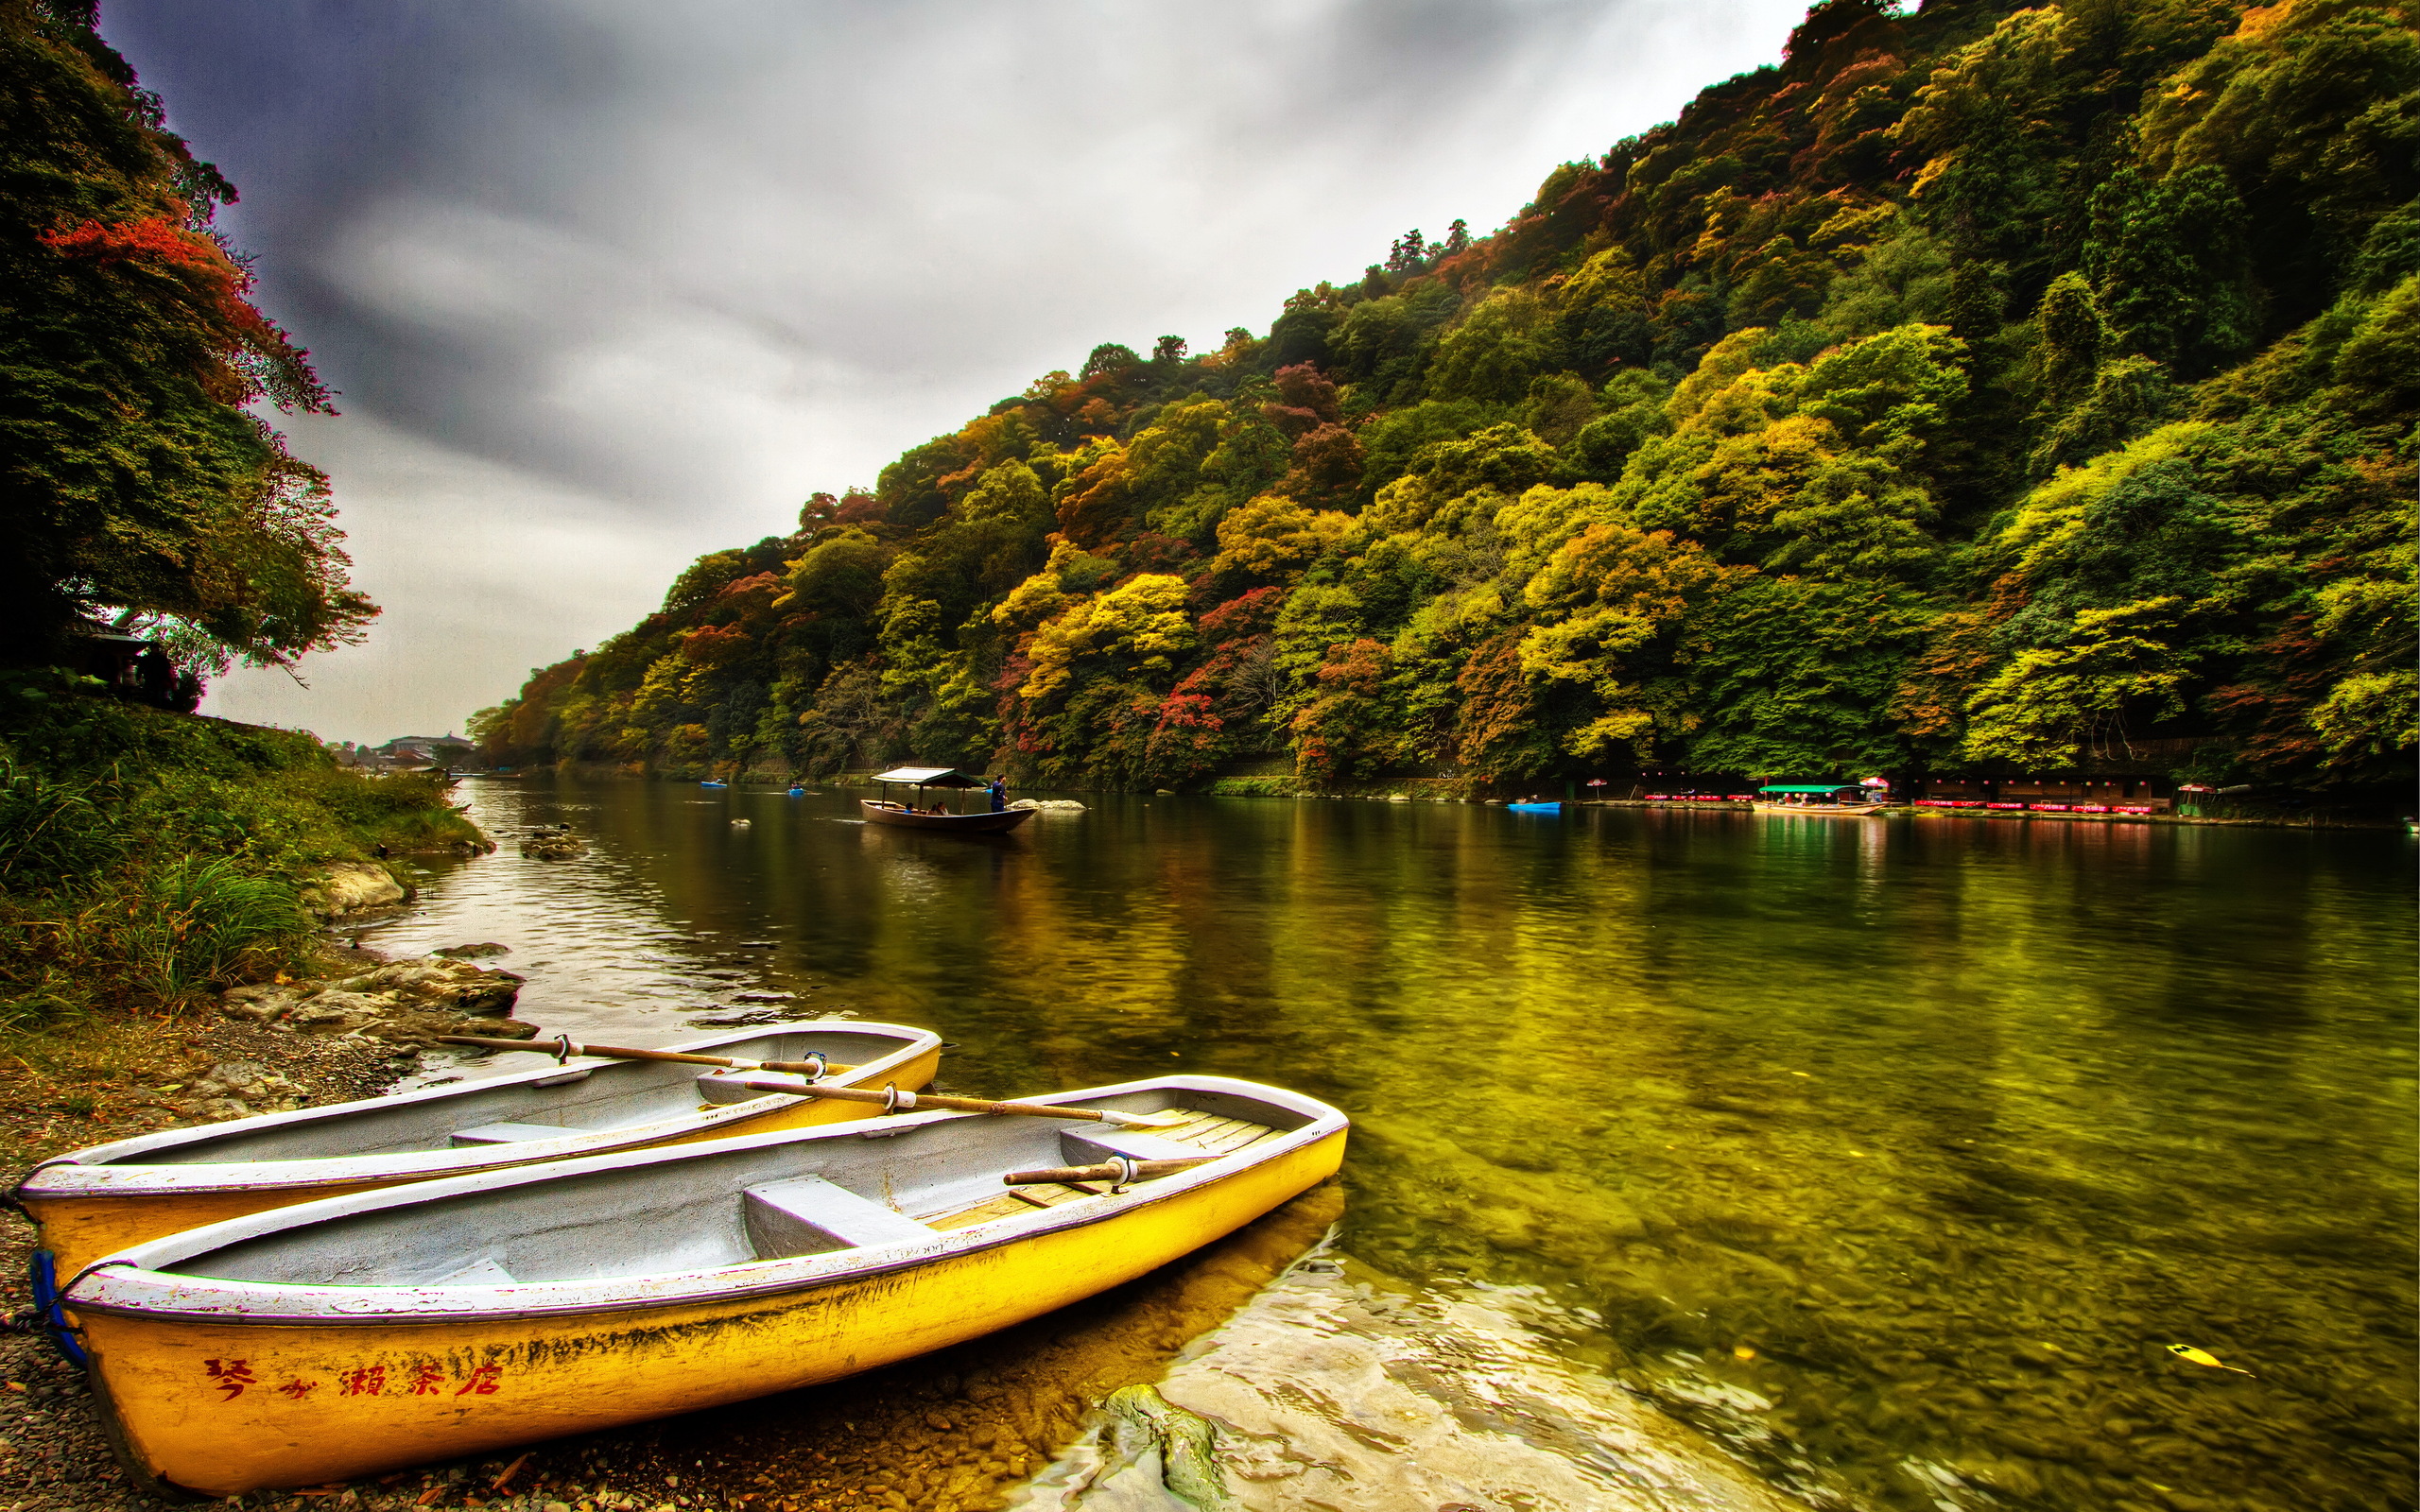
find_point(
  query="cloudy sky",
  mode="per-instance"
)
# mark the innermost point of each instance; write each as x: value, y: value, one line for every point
x: 609, y: 283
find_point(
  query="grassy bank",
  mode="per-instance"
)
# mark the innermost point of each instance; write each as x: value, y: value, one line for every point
x: 148, y: 859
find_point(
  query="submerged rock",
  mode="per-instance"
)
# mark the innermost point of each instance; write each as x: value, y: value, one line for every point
x: 457, y: 984
x: 1166, y: 1457
x: 1331, y: 1390
x: 1059, y: 805
x: 473, y: 953
x: 554, y: 846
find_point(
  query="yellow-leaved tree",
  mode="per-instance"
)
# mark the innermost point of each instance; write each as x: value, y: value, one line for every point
x: 1138, y: 626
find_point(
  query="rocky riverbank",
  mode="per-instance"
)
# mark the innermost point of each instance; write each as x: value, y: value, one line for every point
x: 350, y: 1028
x: 111, y: 1081
x: 348, y: 1031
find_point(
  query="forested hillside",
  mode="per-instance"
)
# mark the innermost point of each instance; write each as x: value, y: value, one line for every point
x: 1980, y: 389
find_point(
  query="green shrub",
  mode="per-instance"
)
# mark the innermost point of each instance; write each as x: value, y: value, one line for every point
x: 402, y: 811
x: 1256, y: 787
x: 198, y: 923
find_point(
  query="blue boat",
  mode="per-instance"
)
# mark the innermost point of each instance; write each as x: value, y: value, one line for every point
x: 1534, y: 808
x: 713, y: 784
x: 797, y: 792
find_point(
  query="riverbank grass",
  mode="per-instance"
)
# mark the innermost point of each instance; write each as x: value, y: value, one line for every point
x: 149, y: 859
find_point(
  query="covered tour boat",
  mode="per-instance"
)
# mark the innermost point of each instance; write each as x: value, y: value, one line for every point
x: 363, y: 1334
x: 95, y: 1200
x: 913, y: 815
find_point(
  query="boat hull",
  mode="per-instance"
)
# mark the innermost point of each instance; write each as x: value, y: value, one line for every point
x: 1823, y: 810
x: 84, y: 1211
x: 217, y: 1406
x: 878, y: 812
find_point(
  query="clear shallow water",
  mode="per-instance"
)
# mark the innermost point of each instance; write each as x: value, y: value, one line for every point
x: 1891, y: 1154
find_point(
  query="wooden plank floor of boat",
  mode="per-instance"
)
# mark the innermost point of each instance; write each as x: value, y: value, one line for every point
x: 1207, y: 1131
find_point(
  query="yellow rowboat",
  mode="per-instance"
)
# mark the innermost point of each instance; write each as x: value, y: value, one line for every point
x: 93, y: 1201
x: 368, y: 1333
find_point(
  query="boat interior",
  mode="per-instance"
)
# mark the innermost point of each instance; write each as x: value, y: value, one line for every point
x: 707, y: 1206
x: 593, y: 1097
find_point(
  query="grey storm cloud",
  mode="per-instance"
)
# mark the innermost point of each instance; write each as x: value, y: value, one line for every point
x: 606, y: 284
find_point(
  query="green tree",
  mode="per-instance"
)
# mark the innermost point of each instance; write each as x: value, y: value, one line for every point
x: 2168, y: 258
x: 1139, y: 626
x: 1508, y: 340
x: 2054, y: 703
x: 1609, y: 604
x: 2313, y: 110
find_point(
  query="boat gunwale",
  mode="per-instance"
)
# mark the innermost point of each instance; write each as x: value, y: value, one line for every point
x: 154, y: 1294
x: 115, y: 1170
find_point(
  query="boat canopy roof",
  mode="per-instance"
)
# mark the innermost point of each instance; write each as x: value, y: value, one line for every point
x: 930, y: 777
x: 1804, y: 787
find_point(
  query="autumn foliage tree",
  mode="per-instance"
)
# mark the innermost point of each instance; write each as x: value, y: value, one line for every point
x: 138, y: 482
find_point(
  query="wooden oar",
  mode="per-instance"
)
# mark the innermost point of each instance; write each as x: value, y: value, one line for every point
x: 893, y: 1100
x: 1108, y: 1171
x: 563, y: 1047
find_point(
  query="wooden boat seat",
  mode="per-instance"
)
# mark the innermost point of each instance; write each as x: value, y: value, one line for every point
x: 1199, y: 1134
x: 1091, y: 1149
x: 1210, y: 1131
x: 512, y: 1133
x: 809, y: 1216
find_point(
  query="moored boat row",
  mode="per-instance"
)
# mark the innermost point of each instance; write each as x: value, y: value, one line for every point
x: 300, y: 1297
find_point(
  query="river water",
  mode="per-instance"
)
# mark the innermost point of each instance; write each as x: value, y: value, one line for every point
x: 1887, y: 1156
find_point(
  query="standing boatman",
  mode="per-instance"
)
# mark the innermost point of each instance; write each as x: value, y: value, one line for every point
x: 999, y: 794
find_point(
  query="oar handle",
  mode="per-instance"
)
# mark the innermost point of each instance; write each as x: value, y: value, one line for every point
x: 483, y: 1042
x: 572, y: 1047
x: 1108, y: 1171
x: 901, y: 1100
